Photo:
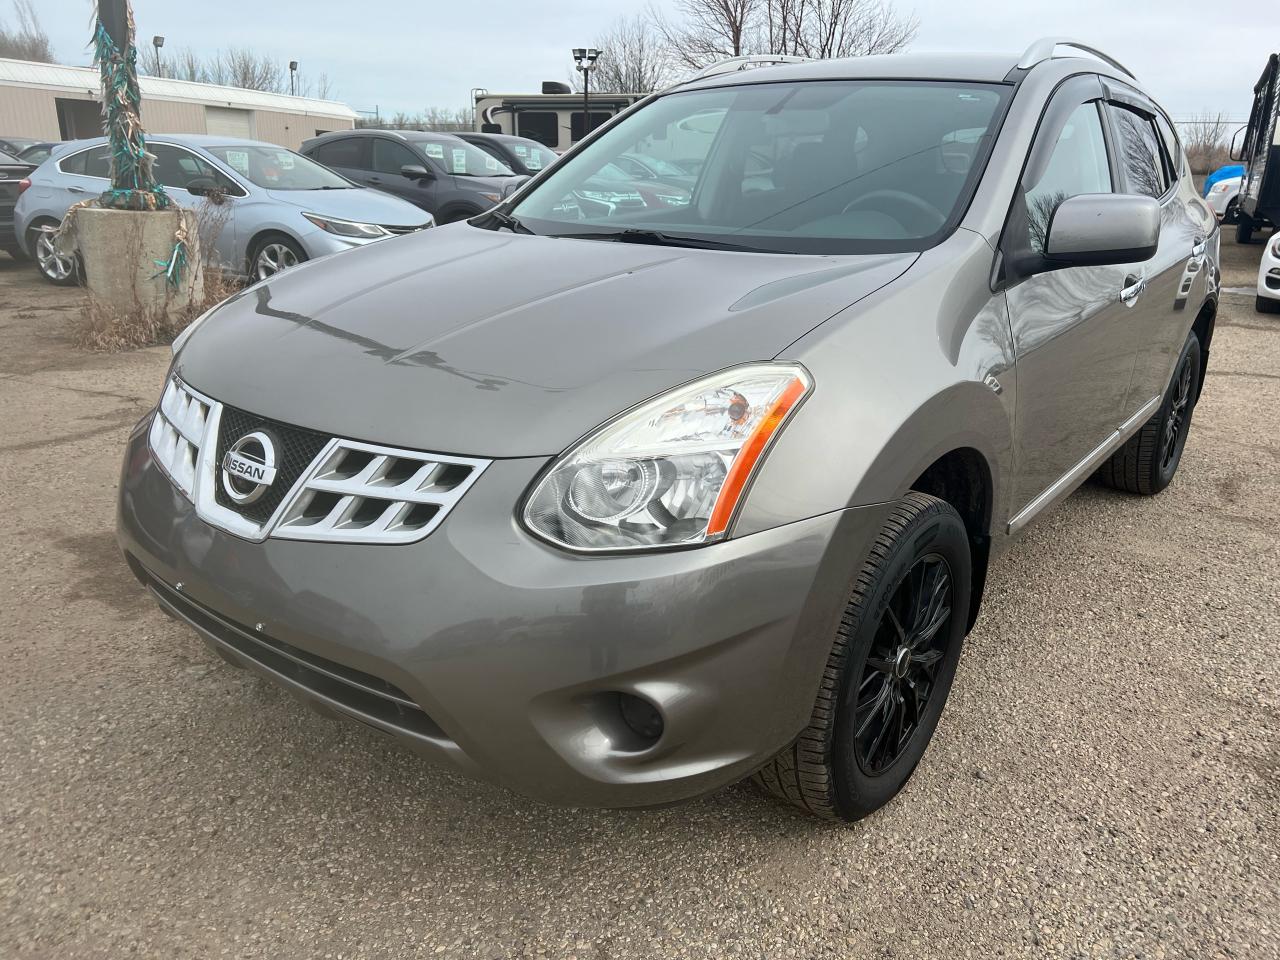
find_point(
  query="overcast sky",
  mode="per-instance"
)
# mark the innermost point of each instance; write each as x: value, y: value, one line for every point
x: 411, y: 54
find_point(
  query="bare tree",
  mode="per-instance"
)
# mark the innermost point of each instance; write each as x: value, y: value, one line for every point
x: 1205, y: 137
x: 633, y: 58
x: 709, y: 30
x: 442, y: 119
x: 324, y: 87
x: 242, y: 67
x: 27, y: 39
x: 836, y: 28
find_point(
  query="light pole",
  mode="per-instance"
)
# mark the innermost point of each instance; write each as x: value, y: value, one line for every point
x: 158, y: 42
x: 585, y: 57
x: 293, y: 72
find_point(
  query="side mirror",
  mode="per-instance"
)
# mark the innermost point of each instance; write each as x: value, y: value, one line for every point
x: 1237, y: 153
x: 1095, y: 229
x: 208, y: 188
x: 416, y: 171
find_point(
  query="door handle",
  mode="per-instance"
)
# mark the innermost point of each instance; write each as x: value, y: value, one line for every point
x: 76, y: 190
x: 1132, y: 289
x: 374, y: 180
x: 1198, y: 249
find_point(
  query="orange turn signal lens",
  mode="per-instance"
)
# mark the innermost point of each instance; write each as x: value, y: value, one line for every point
x: 744, y: 464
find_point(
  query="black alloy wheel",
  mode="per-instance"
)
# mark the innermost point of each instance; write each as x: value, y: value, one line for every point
x: 1178, y: 419
x: 899, y: 677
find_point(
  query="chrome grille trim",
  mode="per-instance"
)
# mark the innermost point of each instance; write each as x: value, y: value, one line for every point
x: 351, y: 492
x: 389, y: 495
x: 178, y: 433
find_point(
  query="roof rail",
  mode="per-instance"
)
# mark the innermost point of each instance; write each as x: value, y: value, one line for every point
x: 1043, y: 49
x: 734, y: 64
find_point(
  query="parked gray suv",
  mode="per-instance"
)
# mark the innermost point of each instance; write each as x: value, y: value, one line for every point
x: 617, y: 505
x: 444, y: 175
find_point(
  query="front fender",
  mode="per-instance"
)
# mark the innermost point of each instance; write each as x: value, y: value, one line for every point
x: 922, y: 367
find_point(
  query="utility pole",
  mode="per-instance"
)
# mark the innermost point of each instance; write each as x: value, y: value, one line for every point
x: 585, y: 58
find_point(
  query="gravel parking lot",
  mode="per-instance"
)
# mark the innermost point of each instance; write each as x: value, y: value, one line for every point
x: 1105, y: 781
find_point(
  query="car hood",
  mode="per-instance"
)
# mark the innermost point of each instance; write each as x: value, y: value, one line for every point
x: 358, y: 203
x: 469, y: 341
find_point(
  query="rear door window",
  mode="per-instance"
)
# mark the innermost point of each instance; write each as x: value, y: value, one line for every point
x: 1140, y: 154
x: 349, y: 152
x: 94, y: 162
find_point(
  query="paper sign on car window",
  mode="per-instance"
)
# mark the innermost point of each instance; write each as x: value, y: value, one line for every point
x: 238, y: 161
x: 490, y: 163
x: 286, y: 160
x: 459, y: 160
x: 533, y: 162
x: 435, y: 151
x: 521, y: 150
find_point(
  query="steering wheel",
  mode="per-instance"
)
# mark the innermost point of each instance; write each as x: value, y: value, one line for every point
x: 925, y: 213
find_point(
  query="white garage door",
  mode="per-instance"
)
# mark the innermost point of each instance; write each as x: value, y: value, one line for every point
x: 227, y: 122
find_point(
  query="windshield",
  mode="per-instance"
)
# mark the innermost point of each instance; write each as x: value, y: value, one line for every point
x: 843, y: 166
x: 463, y: 159
x: 279, y: 169
x: 533, y: 155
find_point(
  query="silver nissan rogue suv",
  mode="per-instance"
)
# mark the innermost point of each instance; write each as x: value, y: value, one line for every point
x: 617, y: 501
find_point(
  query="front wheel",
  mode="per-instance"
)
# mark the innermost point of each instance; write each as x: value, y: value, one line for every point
x: 891, y: 665
x: 273, y: 255
x: 1266, y: 305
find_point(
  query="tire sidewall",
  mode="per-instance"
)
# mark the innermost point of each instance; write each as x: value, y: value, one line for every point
x: 942, y: 532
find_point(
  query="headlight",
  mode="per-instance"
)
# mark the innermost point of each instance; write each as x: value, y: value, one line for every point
x: 1221, y: 187
x: 672, y: 471
x: 492, y: 197
x: 347, y: 228
x: 1275, y: 247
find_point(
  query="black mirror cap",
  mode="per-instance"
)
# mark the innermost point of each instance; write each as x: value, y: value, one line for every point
x: 416, y: 171
x: 1099, y: 229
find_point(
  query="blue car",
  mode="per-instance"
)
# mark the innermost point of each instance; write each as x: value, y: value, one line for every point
x: 263, y: 208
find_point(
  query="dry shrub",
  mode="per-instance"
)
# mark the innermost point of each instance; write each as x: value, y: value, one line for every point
x: 103, y: 329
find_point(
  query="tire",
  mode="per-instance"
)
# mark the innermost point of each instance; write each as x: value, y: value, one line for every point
x: 1266, y: 305
x: 1149, y: 459
x: 1244, y: 228
x: 831, y: 769
x: 1232, y: 213
x: 61, y: 271
x: 274, y: 254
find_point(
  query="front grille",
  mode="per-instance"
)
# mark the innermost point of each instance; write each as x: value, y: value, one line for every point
x: 369, y: 698
x: 324, y: 488
x: 178, y: 432
x: 296, y: 449
x: 364, y: 493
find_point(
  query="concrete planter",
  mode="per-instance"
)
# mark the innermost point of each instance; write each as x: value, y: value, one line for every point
x: 122, y: 250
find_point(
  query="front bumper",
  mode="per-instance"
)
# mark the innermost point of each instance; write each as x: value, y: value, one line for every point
x: 488, y: 650
x: 1269, y: 270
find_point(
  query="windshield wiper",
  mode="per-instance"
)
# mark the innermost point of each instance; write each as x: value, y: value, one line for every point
x: 507, y: 220
x: 659, y: 239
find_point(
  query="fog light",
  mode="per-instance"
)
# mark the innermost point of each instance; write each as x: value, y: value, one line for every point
x: 641, y: 717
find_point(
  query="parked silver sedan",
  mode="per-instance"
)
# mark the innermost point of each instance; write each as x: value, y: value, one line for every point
x: 263, y: 208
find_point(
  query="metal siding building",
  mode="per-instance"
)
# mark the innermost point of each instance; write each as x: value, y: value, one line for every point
x: 54, y: 102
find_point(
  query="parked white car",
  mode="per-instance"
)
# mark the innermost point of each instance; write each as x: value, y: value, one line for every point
x: 1224, y: 197
x: 1269, y: 277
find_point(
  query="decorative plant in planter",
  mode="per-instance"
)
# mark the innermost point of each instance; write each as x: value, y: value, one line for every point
x: 137, y: 246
